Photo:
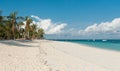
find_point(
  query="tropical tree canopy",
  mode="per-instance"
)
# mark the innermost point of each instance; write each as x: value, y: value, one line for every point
x: 11, y: 27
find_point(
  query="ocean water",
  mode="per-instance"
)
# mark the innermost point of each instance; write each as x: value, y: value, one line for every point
x: 103, y: 44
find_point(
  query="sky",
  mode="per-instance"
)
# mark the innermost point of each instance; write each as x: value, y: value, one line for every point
x: 70, y: 19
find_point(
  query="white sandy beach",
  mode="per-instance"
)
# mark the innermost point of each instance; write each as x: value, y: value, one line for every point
x: 44, y: 55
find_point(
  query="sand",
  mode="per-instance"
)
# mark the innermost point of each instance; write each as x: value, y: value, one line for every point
x: 44, y: 55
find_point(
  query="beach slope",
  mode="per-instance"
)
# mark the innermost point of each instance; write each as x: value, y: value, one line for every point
x: 44, y: 55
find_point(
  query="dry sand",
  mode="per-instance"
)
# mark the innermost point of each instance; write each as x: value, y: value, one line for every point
x: 44, y: 55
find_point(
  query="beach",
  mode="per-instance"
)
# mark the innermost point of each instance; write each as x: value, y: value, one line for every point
x: 46, y: 55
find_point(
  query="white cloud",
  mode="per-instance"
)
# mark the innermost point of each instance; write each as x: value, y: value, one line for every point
x: 56, y: 29
x: 102, y: 28
x: 48, y: 26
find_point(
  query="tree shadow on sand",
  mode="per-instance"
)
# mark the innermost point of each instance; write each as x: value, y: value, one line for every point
x: 20, y: 43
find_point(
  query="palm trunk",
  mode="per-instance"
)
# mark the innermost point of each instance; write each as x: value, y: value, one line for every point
x: 13, y: 30
x: 28, y: 34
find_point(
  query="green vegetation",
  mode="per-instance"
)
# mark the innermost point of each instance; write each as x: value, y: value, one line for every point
x: 11, y: 27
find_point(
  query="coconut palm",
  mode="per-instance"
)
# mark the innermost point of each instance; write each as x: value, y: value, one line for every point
x: 33, y: 30
x: 1, y: 26
x: 40, y: 33
x: 27, y: 27
x: 13, y: 21
x: 1, y: 17
x: 20, y: 29
x: 13, y: 18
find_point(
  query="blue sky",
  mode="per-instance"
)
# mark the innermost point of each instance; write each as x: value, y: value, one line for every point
x: 77, y: 14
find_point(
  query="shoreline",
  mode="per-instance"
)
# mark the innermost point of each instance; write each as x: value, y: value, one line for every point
x: 91, y: 46
x: 47, y: 55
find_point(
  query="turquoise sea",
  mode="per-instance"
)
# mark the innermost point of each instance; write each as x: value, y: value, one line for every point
x: 104, y: 44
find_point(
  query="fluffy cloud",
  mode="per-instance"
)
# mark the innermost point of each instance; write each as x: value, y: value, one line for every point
x: 48, y: 26
x: 112, y: 27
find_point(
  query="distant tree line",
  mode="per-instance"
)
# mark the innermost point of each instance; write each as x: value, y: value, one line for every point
x: 11, y: 27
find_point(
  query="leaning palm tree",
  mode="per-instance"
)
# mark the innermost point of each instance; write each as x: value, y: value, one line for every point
x: 27, y: 27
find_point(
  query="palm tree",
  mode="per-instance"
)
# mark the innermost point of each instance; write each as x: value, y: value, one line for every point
x: 2, y: 27
x: 20, y: 30
x: 33, y: 30
x: 40, y: 33
x: 8, y: 30
x: 1, y: 17
x: 2, y: 30
x: 12, y: 18
x: 27, y: 27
